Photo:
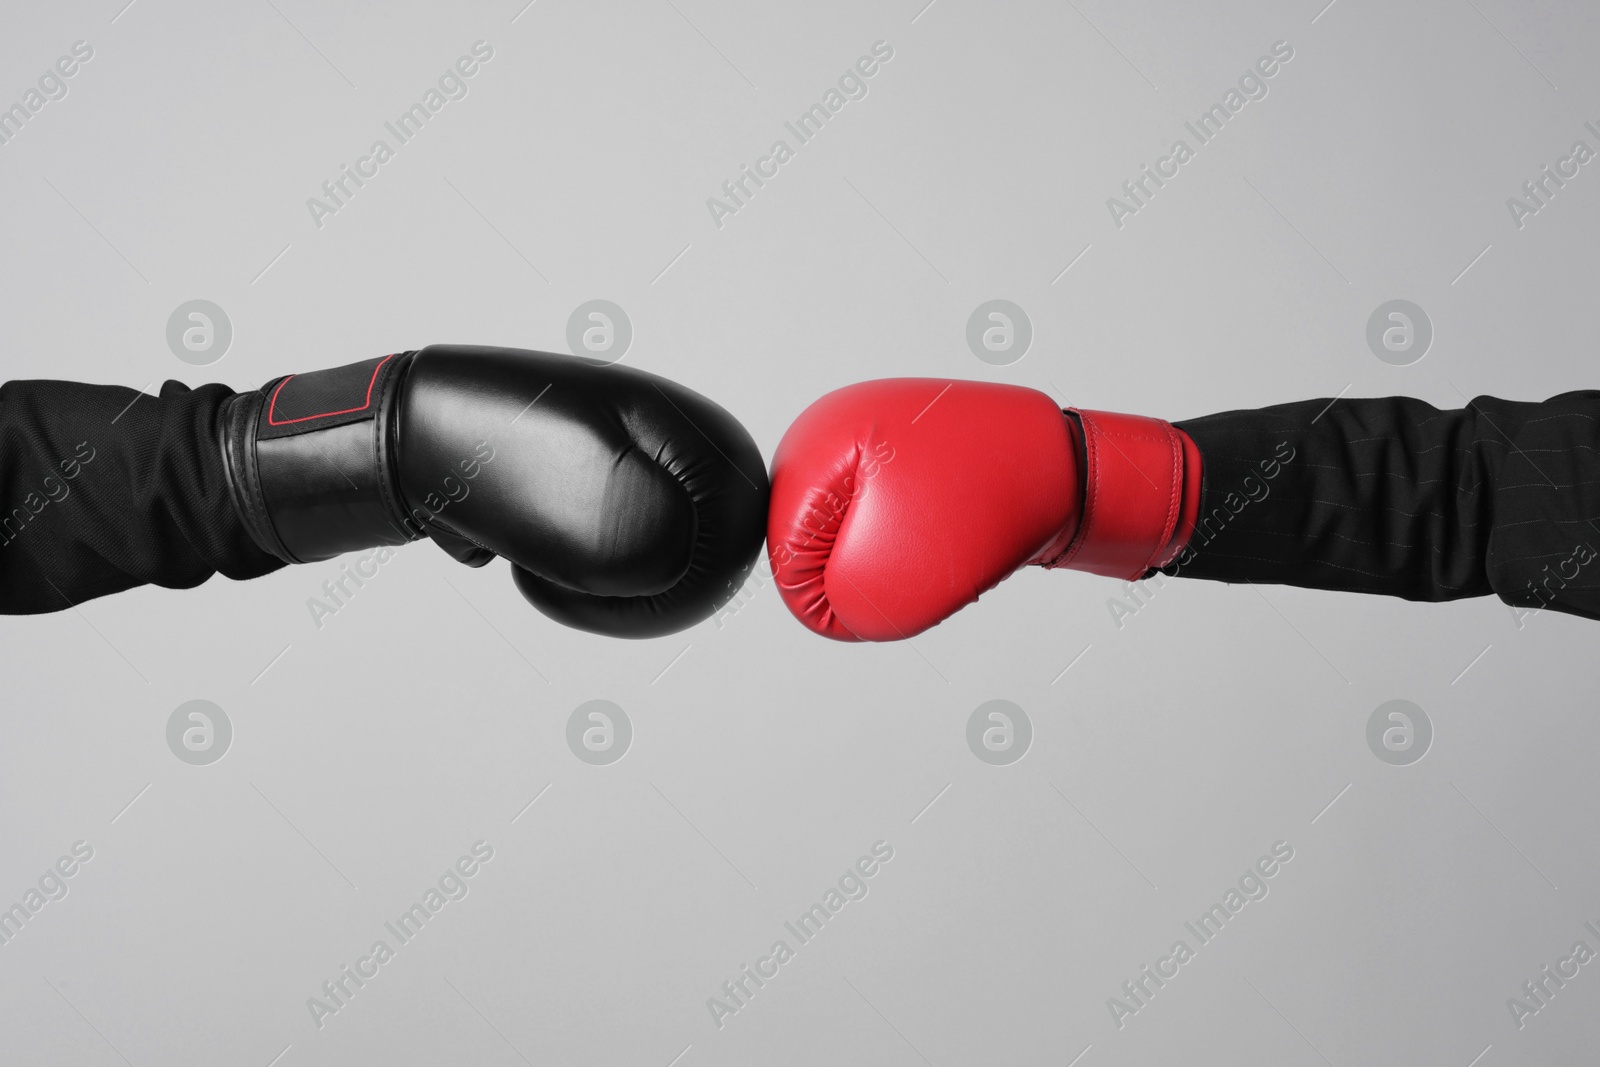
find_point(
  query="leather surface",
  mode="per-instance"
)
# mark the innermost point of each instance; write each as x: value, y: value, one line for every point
x: 321, y: 490
x: 630, y: 505
x: 1133, y: 495
x: 1189, y: 513
x: 897, y: 502
x: 236, y: 420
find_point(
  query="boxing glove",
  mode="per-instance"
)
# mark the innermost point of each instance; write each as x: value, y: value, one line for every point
x: 627, y: 504
x: 895, y: 503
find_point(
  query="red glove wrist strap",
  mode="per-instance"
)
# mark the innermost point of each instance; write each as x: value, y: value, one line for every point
x: 1133, y: 495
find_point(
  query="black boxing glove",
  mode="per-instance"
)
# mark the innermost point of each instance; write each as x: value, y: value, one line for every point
x: 627, y: 504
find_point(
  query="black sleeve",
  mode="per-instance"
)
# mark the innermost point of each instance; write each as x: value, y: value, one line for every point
x: 103, y: 488
x: 1394, y: 496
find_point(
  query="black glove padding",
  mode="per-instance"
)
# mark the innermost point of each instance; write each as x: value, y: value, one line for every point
x: 629, y: 505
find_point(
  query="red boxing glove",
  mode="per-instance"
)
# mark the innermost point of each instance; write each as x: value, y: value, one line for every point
x: 896, y: 503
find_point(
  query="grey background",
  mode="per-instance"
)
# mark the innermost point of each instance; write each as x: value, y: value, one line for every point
x: 369, y: 754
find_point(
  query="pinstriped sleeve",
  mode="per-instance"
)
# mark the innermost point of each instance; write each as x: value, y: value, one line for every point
x: 103, y: 489
x: 1393, y: 496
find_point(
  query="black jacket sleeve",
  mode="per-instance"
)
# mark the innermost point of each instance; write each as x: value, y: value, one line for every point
x: 103, y: 488
x: 1397, y: 497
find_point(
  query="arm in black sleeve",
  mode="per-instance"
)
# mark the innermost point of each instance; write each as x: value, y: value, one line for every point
x: 1394, y: 496
x: 103, y: 488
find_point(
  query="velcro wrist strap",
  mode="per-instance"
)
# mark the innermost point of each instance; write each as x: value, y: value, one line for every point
x: 1133, y: 493
x: 316, y: 464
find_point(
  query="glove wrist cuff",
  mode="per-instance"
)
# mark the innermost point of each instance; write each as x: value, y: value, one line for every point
x: 1133, y: 495
x: 236, y: 420
x: 309, y: 461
